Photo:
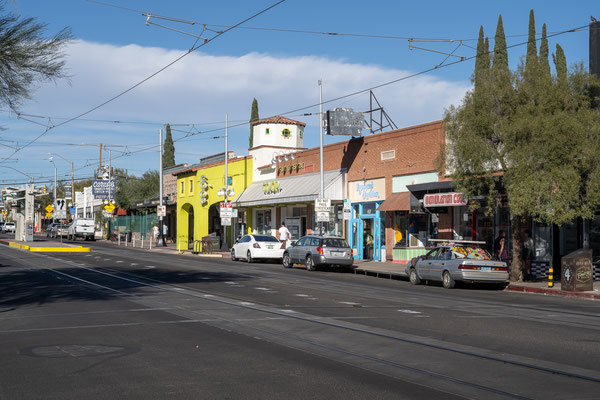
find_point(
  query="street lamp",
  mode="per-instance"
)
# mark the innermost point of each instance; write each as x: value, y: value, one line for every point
x: 52, y: 161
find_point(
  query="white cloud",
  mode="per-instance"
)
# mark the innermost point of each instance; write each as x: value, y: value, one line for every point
x: 202, y: 87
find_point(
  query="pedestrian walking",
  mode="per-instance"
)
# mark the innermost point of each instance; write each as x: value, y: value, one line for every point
x: 527, y: 254
x: 155, y: 233
x: 284, y: 234
x: 165, y: 232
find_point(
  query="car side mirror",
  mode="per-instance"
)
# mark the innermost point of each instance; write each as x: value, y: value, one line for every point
x: 293, y: 243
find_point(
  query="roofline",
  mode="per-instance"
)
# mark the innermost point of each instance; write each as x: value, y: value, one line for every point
x: 196, y: 167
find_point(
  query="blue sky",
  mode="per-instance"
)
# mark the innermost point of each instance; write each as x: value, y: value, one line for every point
x: 114, y: 50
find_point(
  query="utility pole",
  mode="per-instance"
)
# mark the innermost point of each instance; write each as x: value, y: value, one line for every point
x: 225, y: 246
x: 322, y: 187
x: 100, y: 159
x: 161, y: 239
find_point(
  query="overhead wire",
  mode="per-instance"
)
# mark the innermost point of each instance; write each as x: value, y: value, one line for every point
x: 150, y: 76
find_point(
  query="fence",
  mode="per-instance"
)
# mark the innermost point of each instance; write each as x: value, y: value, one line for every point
x: 133, y: 227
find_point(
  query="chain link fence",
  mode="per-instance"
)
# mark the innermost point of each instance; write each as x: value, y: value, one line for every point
x: 132, y: 227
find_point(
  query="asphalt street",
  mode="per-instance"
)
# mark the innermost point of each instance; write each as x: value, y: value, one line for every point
x: 130, y: 323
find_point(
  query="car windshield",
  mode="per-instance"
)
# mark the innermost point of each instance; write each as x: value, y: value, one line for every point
x: 470, y: 252
x: 335, y: 242
x: 265, y: 238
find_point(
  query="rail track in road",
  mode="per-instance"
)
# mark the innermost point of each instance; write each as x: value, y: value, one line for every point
x: 116, y: 278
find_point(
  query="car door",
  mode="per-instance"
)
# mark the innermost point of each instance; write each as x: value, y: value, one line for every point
x: 426, y: 264
x: 438, y: 265
x: 295, y: 250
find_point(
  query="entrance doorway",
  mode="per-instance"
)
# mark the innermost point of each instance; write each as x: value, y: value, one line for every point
x: 368, y: 235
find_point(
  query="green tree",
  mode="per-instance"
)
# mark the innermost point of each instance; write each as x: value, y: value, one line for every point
x: 168, y: 150
x: 253, y: 117
x: 27, y: 56
x: 535, y: 137
x: 131, y: 188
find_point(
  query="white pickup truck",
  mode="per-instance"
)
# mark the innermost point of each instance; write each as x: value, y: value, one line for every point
x: 83, y: 228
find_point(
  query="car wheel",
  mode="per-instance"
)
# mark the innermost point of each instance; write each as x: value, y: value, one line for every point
x: 233, y: 255
x: 249, y: 257
x: 286, y: 261
x: 413, y: 277
x: 447, y: 280
x: 310, y: 265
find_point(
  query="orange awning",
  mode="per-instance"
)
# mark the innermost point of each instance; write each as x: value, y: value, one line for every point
x: 396, y: 202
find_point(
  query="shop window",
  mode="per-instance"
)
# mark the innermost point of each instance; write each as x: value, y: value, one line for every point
x: 299, y: 212
x: 191, y: 186
x: 336, y: 220
x: 182, y: 188
x: 400, y: 228
x: 463, y: 223
x: 369, y: 208
x: 542, y: 239
x: 263, y: 222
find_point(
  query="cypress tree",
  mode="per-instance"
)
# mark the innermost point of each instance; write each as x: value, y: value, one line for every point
x: 500, y: 60
x: 168, y: 149
x: 531, y: 60
x: 253, y: 117
x: 560, y: 63
x: 479, y: 59
x: 544, y: 52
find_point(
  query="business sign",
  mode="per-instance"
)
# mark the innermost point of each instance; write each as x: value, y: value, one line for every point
x: 367, y: 190
x: 68, y: 193
x: 103, y: 189
x: 271, y: 187
x: 226, y: 210
x: 323, y: 205
x: 343, y: 121
x: 451, y: 199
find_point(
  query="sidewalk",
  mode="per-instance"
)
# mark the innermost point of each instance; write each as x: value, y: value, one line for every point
x: 169, y: 248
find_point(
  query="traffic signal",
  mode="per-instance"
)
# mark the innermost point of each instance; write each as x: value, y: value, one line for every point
x: 45, y: 189
x: 3, y: 195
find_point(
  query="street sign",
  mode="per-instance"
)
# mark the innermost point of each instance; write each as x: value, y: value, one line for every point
x: 226, y: 210
x: 48, y: 215
x: 49, y: 208
x: 60, y: 209
x: 347, y: 209
x: 322, y: 216
x: 109, y: 207
x: 72, y: 210
x: 161, y: 211
x: 68, y: 193
x: 323, y: 205
x: 225, y: 221
x: 235, y: 213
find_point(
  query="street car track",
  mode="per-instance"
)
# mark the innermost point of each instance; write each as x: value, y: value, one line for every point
x: 206, y: 295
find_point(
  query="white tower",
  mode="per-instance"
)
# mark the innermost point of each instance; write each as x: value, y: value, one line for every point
x: 273, y: 137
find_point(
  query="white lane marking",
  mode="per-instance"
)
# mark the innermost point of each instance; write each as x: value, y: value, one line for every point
x: 348, y: 303
x: 246, y: 303
x: 208, y: 295
x: 106, y: 259
x: 302, y: 295
x: 133, y: 264
x: 288, y: 311
x: 149, y: 267
x: 312, y: 298
x: 410, y: 311
x: 118, y: 261
x: 231, y: 283
x: 204, y: 277
x: 262, y: 288
x: 88, y: 255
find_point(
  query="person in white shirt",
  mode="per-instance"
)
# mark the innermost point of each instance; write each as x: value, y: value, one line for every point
x: 284, y: 234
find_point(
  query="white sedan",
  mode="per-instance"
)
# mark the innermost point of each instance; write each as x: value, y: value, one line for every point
x: 253, y: 247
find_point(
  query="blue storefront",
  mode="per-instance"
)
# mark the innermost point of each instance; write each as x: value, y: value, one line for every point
x: 366, y: 230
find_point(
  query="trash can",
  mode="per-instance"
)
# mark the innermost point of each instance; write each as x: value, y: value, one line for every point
x: 577, y: 273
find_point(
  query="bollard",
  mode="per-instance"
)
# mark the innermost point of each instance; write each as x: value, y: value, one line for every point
x: 150, y: 245
x: 550, y: 277
x: 179, y: 246
x: 119, y: 238
x: 142, y: 246
x: 133, y: 242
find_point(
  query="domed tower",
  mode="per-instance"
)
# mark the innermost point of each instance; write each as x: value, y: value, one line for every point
x: 274, y: 136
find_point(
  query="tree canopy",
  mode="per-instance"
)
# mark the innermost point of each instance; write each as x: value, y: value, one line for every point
x: 168, y: 149
x: 253, y: 117
x: 27, y: 56
x: 131, y: 188
x: 529, y: 135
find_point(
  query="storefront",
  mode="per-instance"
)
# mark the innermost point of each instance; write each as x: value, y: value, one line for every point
x: 291, y: 200
x: 366, y: 232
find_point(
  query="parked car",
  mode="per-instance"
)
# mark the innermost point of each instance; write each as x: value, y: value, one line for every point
x: 51, y: 229
x: 9, y: 227
x: 82, y: 228
x: 61, y: 230
x: 315, y: 251
x: 453, y: 262
x: 253, y: 247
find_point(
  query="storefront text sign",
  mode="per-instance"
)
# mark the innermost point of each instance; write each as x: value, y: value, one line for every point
x: 444, y: 200
x: 271, y: 187
x: 371, y: 190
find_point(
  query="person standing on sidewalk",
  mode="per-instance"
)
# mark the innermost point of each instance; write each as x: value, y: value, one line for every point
x: 155, y: 233
x: 284, y: 234
x: 527, y: 254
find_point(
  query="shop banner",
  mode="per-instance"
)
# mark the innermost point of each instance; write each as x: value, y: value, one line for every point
x: 445, y: 200
x: 367, y: 190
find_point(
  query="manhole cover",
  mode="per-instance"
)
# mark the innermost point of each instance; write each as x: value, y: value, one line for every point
x: 75, y: 350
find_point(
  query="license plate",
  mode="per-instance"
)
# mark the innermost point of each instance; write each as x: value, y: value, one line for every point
x: 337, y: 254
x: 486, y: 268
x: 270, y: 247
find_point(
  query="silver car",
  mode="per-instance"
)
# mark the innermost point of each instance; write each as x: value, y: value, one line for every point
x: 314, y: 251
x: 457, y: 262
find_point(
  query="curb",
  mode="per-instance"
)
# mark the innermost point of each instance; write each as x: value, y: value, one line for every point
x: 552, y: 292
x: 41, y: 249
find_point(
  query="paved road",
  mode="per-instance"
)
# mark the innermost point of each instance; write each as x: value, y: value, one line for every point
x: 129, y: 323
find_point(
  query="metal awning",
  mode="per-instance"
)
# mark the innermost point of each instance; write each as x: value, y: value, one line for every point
x: 295, y: 189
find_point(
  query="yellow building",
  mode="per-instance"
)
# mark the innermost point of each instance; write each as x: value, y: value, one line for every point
x: 198, y: 202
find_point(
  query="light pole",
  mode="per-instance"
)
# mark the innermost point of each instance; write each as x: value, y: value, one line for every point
x: 52, y: 161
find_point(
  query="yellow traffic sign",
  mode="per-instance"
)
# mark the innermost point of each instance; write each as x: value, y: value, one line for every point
x: 49, y: 208
x: 48, y: 215
x: 109, y: 207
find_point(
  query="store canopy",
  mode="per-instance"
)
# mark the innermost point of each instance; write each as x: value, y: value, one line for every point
x: 396, y: 202
x: 295, y: 189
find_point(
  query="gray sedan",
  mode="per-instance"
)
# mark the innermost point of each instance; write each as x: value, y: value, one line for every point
x: 314, y: 251
x: 457, y: 262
